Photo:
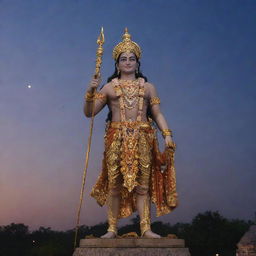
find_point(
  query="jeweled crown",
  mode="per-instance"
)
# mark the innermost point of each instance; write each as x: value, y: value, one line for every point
x: 127, y: 45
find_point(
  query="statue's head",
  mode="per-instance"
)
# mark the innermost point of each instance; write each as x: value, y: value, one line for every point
x: 127, y: 56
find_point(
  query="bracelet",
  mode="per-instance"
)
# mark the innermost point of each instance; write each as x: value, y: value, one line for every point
x: 89, y: 97
x: 166, y: 132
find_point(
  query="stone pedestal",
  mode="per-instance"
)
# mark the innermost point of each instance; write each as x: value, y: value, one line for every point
x: 131, y: 246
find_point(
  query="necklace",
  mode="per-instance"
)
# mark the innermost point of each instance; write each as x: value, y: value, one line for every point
x: 130, y: 90
x: 140, y: 98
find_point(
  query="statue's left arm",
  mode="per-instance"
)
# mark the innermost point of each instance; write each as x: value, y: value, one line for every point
x: 158, y: 117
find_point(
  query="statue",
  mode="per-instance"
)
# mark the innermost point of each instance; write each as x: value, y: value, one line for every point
x: 134, y: 171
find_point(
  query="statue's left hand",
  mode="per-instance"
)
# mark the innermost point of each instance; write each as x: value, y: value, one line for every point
x: 169, y: 143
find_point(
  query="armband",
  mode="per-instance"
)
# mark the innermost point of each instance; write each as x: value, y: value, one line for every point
x: 154, y: 100
x: 100, y: 96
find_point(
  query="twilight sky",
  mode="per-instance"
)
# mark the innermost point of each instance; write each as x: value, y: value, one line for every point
x: 199, y: 54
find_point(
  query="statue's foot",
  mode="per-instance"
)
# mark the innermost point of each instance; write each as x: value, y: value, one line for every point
x: 150, y: 234
x: 109, y: 235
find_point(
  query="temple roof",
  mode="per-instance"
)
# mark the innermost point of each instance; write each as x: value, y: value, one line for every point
x: 249, y: 238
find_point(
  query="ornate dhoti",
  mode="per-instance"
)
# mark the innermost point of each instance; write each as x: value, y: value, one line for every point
x: 132, y: 158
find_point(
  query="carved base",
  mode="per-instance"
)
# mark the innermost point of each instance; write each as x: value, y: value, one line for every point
x: 131, y: 246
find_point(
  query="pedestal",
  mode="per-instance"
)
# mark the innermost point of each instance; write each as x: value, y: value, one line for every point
x: 131, y: 246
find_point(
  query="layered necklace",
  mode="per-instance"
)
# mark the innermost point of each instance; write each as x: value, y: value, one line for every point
x: 130, y: 90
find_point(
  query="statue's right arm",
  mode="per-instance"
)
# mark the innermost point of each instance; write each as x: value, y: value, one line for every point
x: 100, y: 98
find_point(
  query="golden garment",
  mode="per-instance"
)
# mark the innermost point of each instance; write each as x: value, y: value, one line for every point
x: 132, y: 158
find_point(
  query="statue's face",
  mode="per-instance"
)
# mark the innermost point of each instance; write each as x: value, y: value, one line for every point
x: 127, y: 63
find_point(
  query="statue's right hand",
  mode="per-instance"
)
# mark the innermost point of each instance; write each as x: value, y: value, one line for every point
x: 94, y: 83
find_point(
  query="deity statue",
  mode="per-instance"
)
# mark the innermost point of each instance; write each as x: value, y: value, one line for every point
x: 134, y: 171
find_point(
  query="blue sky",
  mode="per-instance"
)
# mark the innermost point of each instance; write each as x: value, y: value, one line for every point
x: 199, y: 54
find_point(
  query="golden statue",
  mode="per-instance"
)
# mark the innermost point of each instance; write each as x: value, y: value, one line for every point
x: 134, y: 171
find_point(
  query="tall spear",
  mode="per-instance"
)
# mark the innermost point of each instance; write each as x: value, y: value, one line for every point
x: 99, y: 53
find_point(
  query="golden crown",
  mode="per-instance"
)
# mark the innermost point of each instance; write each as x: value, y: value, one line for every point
x: 127, y: 45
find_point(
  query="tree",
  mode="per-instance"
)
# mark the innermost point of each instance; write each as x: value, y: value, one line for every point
x: 15, y: 240
x: 210, y: 233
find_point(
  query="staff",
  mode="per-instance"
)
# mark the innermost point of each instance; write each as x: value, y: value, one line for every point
x: 99, y: 53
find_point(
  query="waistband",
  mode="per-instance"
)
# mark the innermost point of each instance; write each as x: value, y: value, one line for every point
x: 132, y: 124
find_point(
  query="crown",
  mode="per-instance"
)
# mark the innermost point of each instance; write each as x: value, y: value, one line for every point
x: 127, y: 45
